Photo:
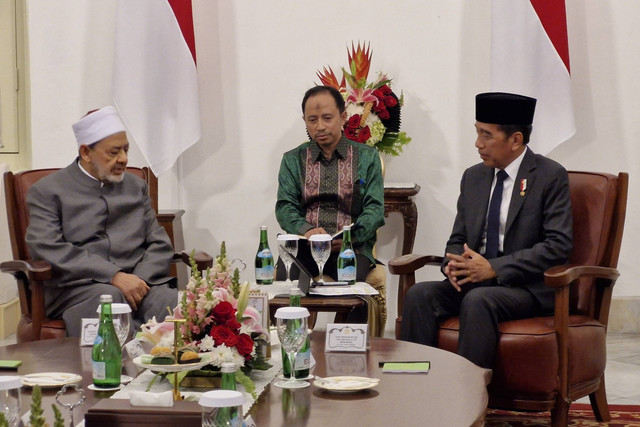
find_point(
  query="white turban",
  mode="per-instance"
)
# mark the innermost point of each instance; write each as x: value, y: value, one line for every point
x: 97, y: 125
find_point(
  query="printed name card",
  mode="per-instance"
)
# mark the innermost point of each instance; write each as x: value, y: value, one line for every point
x: 346, y: 337
x: 89, y: 331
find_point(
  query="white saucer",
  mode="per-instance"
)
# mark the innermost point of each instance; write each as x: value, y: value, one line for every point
x: 307, y: 378
x: 94, y: 388
x: 125, y: 379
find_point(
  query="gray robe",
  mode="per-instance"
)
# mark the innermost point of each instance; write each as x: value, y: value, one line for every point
x: 88, y: 233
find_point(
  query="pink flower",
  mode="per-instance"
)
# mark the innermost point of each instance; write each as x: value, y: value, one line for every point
x: 358, y: 95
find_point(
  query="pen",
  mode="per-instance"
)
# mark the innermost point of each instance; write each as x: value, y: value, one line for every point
x: 381, y: 364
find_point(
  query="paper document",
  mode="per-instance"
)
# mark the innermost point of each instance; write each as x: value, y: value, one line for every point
x: 359, y: 288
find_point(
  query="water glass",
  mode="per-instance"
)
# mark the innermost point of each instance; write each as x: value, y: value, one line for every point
x: 320, y: 251
x: 291, y: 325
x: 10, y: 398
x: 121, y: 315
x: 288, y: 248
x: 222, y: 408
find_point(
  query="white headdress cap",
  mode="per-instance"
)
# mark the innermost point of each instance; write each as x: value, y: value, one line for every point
x: 97, y: 125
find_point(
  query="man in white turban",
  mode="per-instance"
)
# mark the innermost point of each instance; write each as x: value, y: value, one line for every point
x: 94, y: 223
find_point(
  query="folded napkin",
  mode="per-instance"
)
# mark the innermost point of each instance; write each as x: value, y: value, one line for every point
x: 144, y: 398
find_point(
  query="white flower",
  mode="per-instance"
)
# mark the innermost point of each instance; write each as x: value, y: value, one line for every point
x: 207, y: 344
x: 223, y: 353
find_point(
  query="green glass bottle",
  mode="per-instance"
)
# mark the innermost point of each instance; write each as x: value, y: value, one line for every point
x: 303, y: 358
x: 106, y: 355
x: 228, y: 370
x: 347, y: 258
x: 264, y: 260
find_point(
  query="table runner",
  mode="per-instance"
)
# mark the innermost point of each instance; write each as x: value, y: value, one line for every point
x: 260, y: 380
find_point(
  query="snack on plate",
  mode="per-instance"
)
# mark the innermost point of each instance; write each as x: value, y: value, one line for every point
x: 189, y: 356
x: 162, y: 356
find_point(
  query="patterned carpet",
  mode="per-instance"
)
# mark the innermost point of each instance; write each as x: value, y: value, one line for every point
x: 580, y: 415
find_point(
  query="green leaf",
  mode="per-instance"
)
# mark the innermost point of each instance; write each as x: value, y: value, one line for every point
x: 246, y: 382
x: 3, y: 420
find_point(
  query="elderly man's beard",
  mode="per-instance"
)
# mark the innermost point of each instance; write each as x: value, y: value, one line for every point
x: 106, y: 176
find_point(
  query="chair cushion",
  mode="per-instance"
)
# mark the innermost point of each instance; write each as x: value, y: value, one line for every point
x: 51, y: 329
x: 527, y: 358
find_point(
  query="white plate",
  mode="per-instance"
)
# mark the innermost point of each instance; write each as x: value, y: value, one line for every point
x: 205, y: 359
x: 125, y: 379
x: 50, y: 379
x: 346, y: 384
x: 94, y: 388
x: 307, y: 378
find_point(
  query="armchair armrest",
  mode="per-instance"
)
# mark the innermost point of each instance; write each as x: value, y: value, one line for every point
x: 32, y: 270
x: 203, y: 259
x: 563, y: 275
x: 407, y: 264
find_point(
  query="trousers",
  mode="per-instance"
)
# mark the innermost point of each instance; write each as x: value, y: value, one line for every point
x: 481, y: 307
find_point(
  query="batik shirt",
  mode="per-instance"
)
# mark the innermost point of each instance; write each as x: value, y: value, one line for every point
x: 316, y: 192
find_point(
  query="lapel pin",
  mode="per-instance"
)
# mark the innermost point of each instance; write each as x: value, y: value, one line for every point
x: 523, y: 187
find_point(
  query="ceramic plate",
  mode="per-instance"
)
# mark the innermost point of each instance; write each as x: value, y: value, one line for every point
x: 125, y: 379
x: 307, y: 378
x: 176, y: 367
x: 346, y: 384
x: 50, y: 379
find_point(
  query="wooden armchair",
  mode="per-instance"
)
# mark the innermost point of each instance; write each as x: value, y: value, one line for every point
x: 30, y: 274
x: 545, y: 363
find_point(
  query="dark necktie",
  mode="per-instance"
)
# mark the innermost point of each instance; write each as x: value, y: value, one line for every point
x: 493, y: 221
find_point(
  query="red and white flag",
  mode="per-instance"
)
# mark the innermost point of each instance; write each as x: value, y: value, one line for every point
x: 155, y: 84
x: 530, y: 56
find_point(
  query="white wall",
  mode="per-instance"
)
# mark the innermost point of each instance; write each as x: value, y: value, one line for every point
x: 256, y: 59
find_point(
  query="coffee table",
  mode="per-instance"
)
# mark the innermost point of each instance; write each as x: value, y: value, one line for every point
x: 453, y: 392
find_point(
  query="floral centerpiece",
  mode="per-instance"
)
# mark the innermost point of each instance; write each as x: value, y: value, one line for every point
x: 373, y: 109
x: 218, y: 321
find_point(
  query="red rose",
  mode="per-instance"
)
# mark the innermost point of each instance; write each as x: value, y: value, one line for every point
x: 365, y: 134
x: 232, y: 324
x: 244, y: 345
x: 384, y: 115
x: 378, y: 93
x: 223, y: 335
x: 390, y: 101
x: 379, y: 107
x: 351, y: 133
x: 354, y: 121
x: 223, y: 311
x: 386, y: 90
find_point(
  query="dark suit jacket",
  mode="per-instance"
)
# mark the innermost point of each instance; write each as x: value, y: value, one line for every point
x: 538, y: 232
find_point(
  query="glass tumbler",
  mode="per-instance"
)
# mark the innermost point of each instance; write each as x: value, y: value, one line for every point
x: 222, y: 408
x: 10, y: 398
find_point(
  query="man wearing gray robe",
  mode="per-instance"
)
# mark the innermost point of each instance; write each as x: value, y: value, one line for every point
x: 94, y: 223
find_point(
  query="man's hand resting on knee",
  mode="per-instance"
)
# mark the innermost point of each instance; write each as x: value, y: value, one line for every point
x: 133, y: 287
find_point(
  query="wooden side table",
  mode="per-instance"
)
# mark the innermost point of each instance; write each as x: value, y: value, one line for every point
x: 399, y: 198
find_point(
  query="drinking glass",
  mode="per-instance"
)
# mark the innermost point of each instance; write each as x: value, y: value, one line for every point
x: 10, y: 399
x: 320, y: 250
x: 291, y: 325
x: 288, y: 248
x: 121, y: 315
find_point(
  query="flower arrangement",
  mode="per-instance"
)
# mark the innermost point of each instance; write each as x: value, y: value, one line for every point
x: 373, y: 109
x: 218, y: 320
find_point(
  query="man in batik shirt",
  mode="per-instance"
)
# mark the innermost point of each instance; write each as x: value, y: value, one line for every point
x: 330, y: 182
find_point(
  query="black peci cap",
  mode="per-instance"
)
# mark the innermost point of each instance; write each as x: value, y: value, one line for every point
x: 505, y: 108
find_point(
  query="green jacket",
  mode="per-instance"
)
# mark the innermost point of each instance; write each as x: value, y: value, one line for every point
x: 309, y: 195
